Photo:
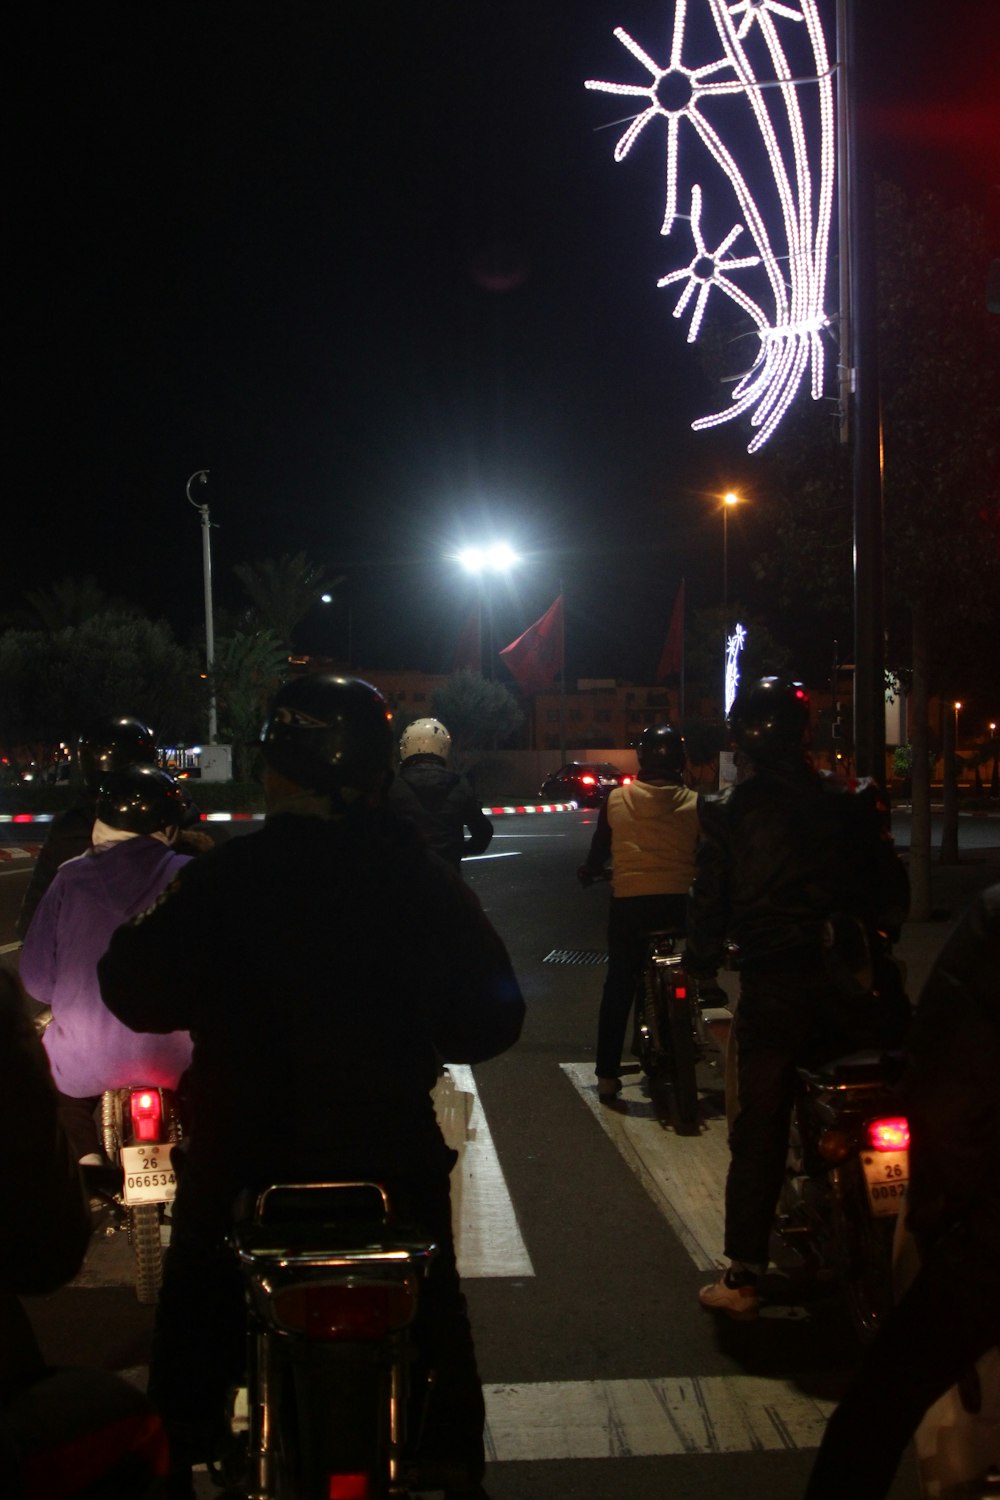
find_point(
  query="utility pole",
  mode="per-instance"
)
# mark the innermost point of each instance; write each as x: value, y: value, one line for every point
x: 201, y: 475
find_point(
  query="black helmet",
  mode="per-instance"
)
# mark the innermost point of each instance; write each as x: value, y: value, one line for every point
x: 661, y: 750
x: 327, y: 733
x: 112, y: 745
x: 140, y: 799
x: 770, y: 719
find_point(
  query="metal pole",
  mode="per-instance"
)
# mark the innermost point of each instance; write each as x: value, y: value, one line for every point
x: 857, y: 242
x: 206, y: 562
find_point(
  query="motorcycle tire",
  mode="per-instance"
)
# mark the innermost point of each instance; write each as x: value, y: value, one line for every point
x: 144, y: 1233
x: 684, y: 1057
x: 866, y: 1247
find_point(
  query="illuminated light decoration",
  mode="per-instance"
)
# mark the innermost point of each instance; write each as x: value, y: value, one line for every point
x: 734, y: 645
x: 790, y: 265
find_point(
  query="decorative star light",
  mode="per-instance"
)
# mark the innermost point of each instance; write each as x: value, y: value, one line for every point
x: 734, y: 645
x: 790, y: 224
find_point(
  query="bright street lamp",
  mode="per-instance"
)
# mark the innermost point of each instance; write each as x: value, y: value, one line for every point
x: 484, y: 562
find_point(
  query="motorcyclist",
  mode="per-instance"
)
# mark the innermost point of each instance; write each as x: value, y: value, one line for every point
x: 110, y: 745
x: 440, y: 802
x: 323, y: 965
x: 131, y: 860
x: 783, y: 854
x: 648, y: 830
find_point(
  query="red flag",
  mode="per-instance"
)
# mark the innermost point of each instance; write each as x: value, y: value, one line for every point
x: 536, y: 657
x: 672, y: 656
x: 468, y: 651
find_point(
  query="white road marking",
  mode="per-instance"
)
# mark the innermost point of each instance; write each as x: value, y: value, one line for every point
x: 487, y: 1237
x: 467, y: 859
x: 643, y: 1418
x: 684, y: 1175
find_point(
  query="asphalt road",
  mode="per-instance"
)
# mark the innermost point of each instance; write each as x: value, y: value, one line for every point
x: 604, y: 1377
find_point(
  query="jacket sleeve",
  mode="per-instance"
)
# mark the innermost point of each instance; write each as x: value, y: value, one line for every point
x: 153, y: 970
x: 708, y: 899
x: 45, y: 1226
x: 478, y: 1005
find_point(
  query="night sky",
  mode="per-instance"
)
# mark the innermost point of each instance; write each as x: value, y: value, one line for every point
x: 373, y: 266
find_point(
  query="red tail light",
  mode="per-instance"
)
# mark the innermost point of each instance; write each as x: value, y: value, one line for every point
x: 627, y: 780
x: 348, y: 1487
x: 588, y: 780
x: 147, y: 1114
x: 889, y: 1134
x: 680, y: 990
x: 342, y: 1310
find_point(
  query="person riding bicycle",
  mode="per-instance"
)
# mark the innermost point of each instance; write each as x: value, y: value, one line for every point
x: 788, y: 857
x: 440, y: 802
x: 131, y: 860
x: 324, y: 966
x: 648, y: 830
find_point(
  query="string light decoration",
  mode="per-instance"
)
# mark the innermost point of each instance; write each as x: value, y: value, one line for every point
x: 734, y: 645
x: 750, y: 96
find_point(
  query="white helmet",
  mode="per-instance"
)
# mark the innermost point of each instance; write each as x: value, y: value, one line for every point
x: 425, y: 737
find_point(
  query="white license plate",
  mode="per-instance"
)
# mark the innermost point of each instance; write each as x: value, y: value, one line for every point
x: 886, y: 1175
x: 149, y: 1177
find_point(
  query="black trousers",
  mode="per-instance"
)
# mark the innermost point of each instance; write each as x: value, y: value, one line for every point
x: 782, y: 1019
x: 199, y: 1338
x: 630, y: 921
x: 947, y: 1319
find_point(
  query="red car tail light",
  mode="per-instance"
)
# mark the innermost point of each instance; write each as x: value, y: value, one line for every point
x: 588, y: 780
x: 348, y: 1487
x: 146, y: 1108
x: 346, y: 1310
x: 889, y: 1134
x: 626, y: 781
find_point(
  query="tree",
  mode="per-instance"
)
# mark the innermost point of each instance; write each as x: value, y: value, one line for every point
x: 68, y: 601
x: 52, y: 685
x: 282, y: 591
x: 248, y: 671
x: 477, y: 713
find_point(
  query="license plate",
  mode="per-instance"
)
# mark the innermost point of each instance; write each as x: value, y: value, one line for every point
x: 149, y: 1177
x: 886, y: 1176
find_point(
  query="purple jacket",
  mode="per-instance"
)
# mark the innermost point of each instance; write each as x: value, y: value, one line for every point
x: 90, y: 896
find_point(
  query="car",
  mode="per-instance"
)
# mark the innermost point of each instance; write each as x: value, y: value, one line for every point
x: 584, y: 782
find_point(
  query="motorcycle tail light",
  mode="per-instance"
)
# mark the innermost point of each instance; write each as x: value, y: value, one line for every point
x: 889, y: 1134
x: 146, y: 1108
x: 348, y: 1487
x: 680, y: 990
x: 345, y: 1310
x: 835, y: 1146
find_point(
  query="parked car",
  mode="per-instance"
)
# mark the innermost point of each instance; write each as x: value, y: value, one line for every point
x: 585, y: 782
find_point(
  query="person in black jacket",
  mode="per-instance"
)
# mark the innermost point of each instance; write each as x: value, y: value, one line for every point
x: 787, y: 859
x: 440, y: 802
x: 950, y: 1314
x: 323, y: 967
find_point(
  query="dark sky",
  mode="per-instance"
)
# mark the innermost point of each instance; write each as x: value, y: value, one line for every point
x: 373, y: 265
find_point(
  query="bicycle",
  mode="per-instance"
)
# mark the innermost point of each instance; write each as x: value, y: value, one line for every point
x: 671, y: 1031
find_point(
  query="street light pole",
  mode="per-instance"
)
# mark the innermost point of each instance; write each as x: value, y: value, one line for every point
x: 201, y: 475
x: 727, y: 500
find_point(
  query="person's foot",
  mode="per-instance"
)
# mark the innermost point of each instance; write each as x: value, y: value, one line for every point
x: 608, y: 1089
x: 738, y: 1299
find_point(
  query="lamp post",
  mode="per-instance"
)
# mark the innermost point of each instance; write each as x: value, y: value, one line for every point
x: 201, y: 475
x: 484, y: 562
x: 728, y: 500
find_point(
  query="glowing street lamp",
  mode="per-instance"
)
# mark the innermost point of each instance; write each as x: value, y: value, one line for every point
x: 485, y: 562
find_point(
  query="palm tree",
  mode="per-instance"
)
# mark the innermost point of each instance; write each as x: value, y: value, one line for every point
x: 282, y: 590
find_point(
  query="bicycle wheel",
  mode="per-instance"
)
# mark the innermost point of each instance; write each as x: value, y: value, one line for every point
x: 683, y: 1055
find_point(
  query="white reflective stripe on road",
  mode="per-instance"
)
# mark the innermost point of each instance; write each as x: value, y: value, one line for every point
x: 487, y: 1236
x: 467, y: 859
x: 684, y: 1175
x: 644, y: 1418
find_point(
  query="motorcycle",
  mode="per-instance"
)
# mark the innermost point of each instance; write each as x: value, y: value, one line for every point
x: 331, y: 1287
x: 673, y: 1016
x: 845, y: 1179
x: 139, y: 1125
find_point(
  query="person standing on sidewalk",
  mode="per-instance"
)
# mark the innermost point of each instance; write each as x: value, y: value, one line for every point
x: 782, y: 854
x: 648, y: 830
